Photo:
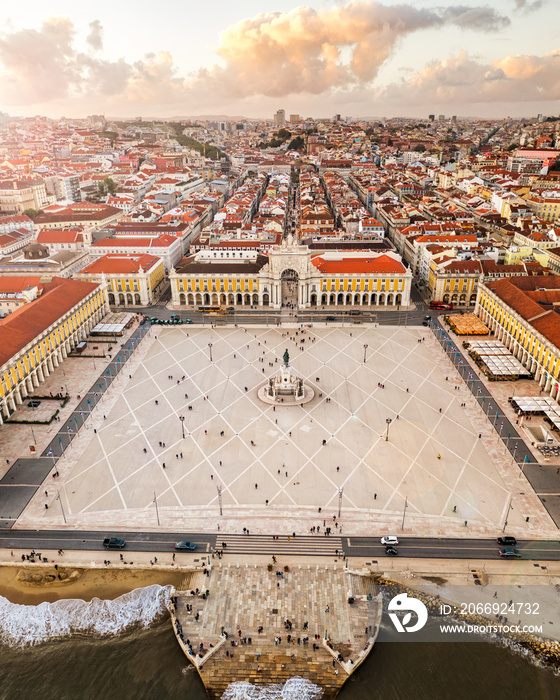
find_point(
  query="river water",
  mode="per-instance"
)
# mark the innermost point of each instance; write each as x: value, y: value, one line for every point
x: 138, y: 658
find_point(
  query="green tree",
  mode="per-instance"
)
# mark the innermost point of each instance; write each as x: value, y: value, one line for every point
x: 297, y: 144
x: 283, y: 134
x: 31, y: 213
x: 101, y: 188
x: 110, y: 185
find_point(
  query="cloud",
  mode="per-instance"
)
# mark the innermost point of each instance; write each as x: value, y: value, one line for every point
x: 38, y: 65
x: 461, y: 80
x: 304, y: 51
x: 528, y: 5
x: 95, y: 36
x: 276, y: 54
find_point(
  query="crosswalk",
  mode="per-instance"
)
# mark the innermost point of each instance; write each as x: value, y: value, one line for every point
x: 317, y: 545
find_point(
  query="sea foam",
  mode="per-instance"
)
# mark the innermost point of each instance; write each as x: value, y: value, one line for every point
x: 22, y: 625
x: 294, y: 689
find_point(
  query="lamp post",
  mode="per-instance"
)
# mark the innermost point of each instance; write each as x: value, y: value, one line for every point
x: 509, y: 507
x: 157, y: 512
x: 404, y: 511
x: 365, y: 349
x: 388, y: 421
x: 61, y: 508
x: 210, y: 349
x: 340, y: 492
x: 219, y: 489
x: 182, y: 419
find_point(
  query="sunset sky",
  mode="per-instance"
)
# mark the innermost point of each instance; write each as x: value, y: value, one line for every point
x: 252, y: 57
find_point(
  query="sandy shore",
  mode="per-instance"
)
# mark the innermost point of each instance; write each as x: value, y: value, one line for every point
x: 107, y: 583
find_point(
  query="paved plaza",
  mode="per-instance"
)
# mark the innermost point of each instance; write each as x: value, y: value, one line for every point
x: 270, y: 461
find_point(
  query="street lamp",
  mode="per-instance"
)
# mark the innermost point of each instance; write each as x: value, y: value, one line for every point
x: 404, y: 511
x: 340, y: 492
x: 365, y: 348
x: 182, y: 419
x: 61, y: 508
x: 388, y: 421
x: 210, y: 349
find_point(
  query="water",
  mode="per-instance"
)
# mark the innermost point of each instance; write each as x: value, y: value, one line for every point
x: 125, y: 649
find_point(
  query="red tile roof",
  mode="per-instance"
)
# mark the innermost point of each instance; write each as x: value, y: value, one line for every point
x: 113, y: 263
x: 30, y: 320
x: 380, y: 265
x: 532, y: 298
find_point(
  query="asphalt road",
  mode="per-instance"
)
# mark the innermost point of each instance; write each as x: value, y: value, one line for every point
x: 410, y: 547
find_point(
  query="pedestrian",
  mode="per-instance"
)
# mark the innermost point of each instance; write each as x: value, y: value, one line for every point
x: 163, y: 465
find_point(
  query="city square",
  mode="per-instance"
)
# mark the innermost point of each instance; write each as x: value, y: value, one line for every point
x: 384, y: 438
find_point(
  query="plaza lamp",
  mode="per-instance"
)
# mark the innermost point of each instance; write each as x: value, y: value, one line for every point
x: 210, y: 349
x: 388, y: 421
x: 365, y: 348
x: 61, y: 507
x: 182, y: 419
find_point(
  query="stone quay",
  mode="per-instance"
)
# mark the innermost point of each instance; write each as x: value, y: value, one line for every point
x: 264, y: 625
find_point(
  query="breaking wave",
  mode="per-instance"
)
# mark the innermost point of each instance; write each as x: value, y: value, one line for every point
x: 23, y: 625
x: 294, y: 689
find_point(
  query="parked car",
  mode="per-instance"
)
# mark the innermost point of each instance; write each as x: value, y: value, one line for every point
x: 188, y: 320
x: 113, y: 543
x: 509, y: 553
x: 390, y: 539
x: 391, y: 551
x: 507, y: 541
x: 185, y: 545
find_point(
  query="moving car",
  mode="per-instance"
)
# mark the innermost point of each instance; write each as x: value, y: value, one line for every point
x: 185, y: 545
x: 509, y: 553
x: 113, y: 543
x: 331, y: 318
x: 507, y: 541
x: 391, y: 551
x: 390, y: 539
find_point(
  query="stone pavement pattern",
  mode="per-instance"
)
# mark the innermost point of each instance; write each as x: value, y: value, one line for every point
x: 278, y: 455
x: 244, y: 598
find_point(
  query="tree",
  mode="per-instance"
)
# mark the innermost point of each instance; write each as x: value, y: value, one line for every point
x: 31, y: 213
x: 110, y: 185
x: 101, y: 188
x: 283, y: 134
x: 297, y: 144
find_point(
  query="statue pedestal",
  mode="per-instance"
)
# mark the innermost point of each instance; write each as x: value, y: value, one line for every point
x: 286, y: 399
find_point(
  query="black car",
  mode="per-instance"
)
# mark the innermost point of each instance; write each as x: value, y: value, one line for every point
x: 113, y: 543
x: 391, y: 551
x: 507, y: 541
x: 331, y: 318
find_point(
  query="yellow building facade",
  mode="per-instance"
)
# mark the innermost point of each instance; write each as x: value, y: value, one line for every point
x: 533, y: 349
x: 25, y: 367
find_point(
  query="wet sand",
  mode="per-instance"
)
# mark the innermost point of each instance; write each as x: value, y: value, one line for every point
x: 91, y: 583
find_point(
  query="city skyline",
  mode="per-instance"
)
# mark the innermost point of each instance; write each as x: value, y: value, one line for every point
x: 357, y: 58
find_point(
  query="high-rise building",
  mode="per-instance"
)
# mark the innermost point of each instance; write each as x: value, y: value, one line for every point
x: 280, y: 117
x: 441, y: 118
x: 295, y: 119
x: 431, y: 117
